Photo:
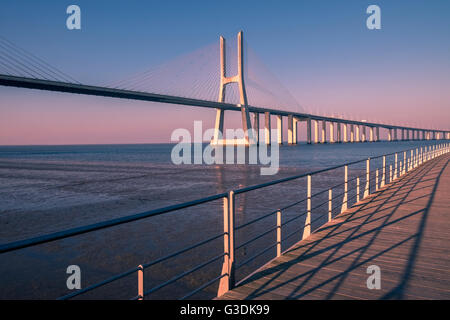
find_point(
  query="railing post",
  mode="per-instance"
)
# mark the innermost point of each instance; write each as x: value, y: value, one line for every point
x: 383, y: 177
x: 357, y: 189
x: 390, y: 173
x: 232, y: 242
x: 140, y: 282
x: 278, y: 233
x: 345, y: 200
x: 417, y: 158
x: 307, y: 228
x: 367, y: 188
x: 227, y: 280
x: 396, y: 165
x: 330, y: 204
x: 376, y: 180
x: 404, y: 162
x: 224, y: 284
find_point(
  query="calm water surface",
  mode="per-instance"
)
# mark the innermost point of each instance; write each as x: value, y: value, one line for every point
x: 45, y: 189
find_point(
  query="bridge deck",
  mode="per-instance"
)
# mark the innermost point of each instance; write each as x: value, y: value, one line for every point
x: 403, y: 228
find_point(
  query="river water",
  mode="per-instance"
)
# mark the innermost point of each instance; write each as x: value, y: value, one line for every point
x: 45, y: 189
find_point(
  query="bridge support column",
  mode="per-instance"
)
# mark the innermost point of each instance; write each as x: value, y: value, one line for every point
x: 378, y: 134
x: 395, y: 134
x: 280, y: 129
x: 403, y: 134
x: 249, y: 139
x: 338, y: 132
x: 267, y: 132
x: 295, y: 132
x: 290, y: 129
x: 296, y: 122
x: 331, y: 132
x: 316, y: 131
x: 345, y: 125
x: 352, y: 133
x: 218, y: 127
x: 324, y: 131
x: 256, y: 127
x: 389, y: 135
x: 363, y: 134
x: 308, y: 130
x: 371, y: 134
x: 357, y: 133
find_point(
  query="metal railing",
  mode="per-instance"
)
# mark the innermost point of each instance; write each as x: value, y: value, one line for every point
x: 412, y: 158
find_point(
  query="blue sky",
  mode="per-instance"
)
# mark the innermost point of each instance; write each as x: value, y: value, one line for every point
x: 320, y: 50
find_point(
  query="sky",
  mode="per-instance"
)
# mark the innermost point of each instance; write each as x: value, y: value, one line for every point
x: 321, y: 51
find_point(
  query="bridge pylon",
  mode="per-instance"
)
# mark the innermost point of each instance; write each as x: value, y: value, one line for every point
x: 249, y: 136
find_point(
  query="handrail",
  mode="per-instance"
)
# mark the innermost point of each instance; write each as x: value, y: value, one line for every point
x: 414, y: 159
x: 102, y: 225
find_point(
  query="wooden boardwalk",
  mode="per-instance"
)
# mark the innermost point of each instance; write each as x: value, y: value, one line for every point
x: 404, y: 229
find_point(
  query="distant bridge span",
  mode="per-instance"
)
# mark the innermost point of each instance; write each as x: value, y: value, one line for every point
x: 294, y: 117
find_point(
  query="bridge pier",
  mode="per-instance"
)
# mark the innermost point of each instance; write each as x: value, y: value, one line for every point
x: 316, y: 131
x: 267, y: 132
x: 256, y: 127
x: 324, y: 131
x: 331, y: 132
x: 295, y: 130
x: 352, y: 133
x: 280, y: 129
x: 363, y: 134
x: 308, y: 131
x: 338, y: 132
x: 395, y: 134
x: 389, y: 135
x: 378, y: 134
x: 371, y: 134
x: 344, y: 135
x: 290, y: 129
x: 357, y: 137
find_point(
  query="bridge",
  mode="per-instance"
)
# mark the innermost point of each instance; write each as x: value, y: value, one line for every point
x: 339, y: 129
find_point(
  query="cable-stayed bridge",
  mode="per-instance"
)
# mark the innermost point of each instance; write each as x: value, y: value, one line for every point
x: 258, y: 93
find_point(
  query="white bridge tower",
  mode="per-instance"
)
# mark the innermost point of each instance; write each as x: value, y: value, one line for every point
x: 224, y: 81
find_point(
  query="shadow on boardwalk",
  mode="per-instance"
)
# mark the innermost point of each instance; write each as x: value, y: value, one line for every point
x: 403, y: 228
